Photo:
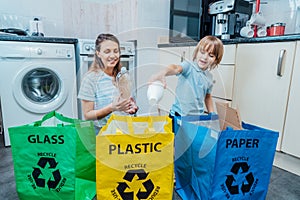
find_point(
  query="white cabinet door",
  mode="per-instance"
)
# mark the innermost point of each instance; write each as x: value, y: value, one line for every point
x: 224, y: 74
x: 166, y: 56
x: 259, y: 93
x: 172, y: 55
x: 229, y: 55
x: 291, y: 134
x: 223, y: 81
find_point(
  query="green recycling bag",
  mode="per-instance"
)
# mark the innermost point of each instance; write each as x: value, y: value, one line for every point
x: 54, y: 158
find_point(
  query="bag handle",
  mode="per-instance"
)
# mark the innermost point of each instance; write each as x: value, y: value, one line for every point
x: 127, y: 119
x: 58, y: 116
x: 130, y: 121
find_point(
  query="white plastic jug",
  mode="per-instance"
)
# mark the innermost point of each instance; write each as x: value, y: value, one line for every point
x: 155, y: 92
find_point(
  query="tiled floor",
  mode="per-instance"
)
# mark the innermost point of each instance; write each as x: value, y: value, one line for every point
x: 283, y: 185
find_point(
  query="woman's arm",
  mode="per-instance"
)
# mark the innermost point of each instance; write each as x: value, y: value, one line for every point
x: 125, y: 105
x: 91, y: 114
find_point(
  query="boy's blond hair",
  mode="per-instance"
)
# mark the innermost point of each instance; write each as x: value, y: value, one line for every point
x: 212, y: 45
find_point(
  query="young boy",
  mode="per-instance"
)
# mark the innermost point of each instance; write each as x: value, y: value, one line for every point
x: 194, y: 87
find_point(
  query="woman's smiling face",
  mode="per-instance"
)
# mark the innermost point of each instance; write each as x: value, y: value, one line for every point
x: 109, y: 53
x: 205, y: 58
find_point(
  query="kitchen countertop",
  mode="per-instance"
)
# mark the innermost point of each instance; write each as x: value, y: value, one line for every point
x: 11, y: 37
x: 239, y: 40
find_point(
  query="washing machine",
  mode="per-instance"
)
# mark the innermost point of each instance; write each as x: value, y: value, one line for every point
x: 36, y: 78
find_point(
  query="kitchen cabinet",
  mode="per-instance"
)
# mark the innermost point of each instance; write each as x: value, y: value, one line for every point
x: 224, y: 74
x: 291, y: 134
x: 165, y: 56
x: 260, y: 89
x: 189, y: 20
x: 171, y: 55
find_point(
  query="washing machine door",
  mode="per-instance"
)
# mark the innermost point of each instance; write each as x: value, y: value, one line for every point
x: 39, y: 89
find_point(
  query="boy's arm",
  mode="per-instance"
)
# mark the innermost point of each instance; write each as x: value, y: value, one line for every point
x: 170, y: 70
x: 209, y: 103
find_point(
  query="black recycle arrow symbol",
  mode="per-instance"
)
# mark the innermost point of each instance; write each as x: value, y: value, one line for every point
x: 57, y: 178
x: 131, y: 173
x: 233, y: 189
x: 246, y: 187
x: 43, y: 161
x: 142, y: 175
x: 121, y: 189
x: 149, y: 188
x: 40, y: 182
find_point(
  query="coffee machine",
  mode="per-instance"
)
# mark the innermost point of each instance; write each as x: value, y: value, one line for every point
x: 229, y: 16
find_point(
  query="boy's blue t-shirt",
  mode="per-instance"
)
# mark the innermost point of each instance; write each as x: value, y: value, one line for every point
x: 192, y: 86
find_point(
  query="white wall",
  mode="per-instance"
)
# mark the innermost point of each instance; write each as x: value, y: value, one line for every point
x: 286, y: 11
x: 144, y: 20
x: 17, y: 13
x: 87, y: 18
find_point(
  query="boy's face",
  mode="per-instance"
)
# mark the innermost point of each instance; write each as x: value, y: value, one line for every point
x: 205, y: 58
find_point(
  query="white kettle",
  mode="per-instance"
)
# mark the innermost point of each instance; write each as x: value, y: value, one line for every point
x: 36, y: 27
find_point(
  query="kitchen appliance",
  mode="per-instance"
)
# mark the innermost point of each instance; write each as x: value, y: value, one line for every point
x: 85, y: 56
x: 14, y: 31
x: 189, y: 20
x: 276, y: 29
x: 229, y: 16
x: 36, y: 78
x: 36, y: 27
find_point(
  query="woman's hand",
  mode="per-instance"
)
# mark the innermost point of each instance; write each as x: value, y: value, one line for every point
x: 125, y: 105
x: 133, y: 107
x: 121, y: 104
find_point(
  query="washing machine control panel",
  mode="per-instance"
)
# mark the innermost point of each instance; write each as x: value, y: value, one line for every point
x: 64, y: 53
x: 52, y: 52
x: 39, y: 51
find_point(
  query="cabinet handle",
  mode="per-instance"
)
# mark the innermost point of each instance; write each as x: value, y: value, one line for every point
x: 182, y: 56
x: 280, y: 60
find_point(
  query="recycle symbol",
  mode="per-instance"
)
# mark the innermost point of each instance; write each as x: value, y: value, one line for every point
x: 38, y: 175
x: 247, y: 182
x: 143, y: 193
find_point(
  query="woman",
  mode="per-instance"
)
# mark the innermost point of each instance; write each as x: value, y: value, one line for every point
x: 98, y: 91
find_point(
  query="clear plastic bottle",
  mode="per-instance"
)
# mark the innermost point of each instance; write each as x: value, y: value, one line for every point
x: 123, y: 81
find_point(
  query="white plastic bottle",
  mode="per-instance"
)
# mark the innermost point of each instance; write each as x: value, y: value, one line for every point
x: 155, y: 92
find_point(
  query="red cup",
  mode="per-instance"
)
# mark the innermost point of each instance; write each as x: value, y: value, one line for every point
x: 277, y: 29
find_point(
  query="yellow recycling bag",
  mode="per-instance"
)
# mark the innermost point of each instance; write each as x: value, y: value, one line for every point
x: 135, y: 158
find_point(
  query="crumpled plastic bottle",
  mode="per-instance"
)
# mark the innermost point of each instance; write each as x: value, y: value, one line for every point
x: 124, y: 83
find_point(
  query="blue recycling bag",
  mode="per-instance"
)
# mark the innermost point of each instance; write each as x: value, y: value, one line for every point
x: 214, y: 164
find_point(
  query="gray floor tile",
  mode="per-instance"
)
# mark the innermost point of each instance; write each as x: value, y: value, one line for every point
x: 283, y: 185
